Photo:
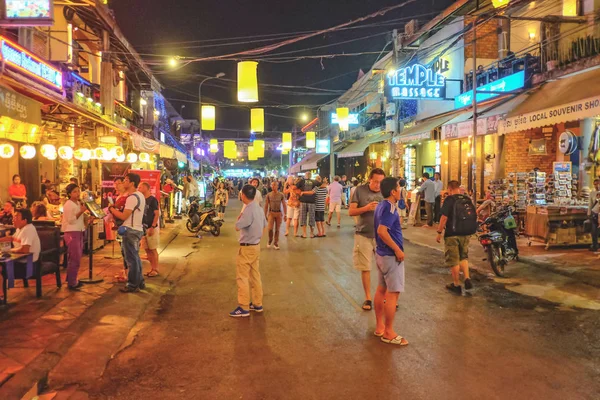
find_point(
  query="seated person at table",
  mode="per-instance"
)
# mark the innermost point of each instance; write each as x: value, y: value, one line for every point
x: 40, y: 212
x: 51, y: 196
x: 25, y: 240
x: 6, y: 216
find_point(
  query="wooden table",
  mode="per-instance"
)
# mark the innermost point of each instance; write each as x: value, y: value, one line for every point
x: 13, y: 257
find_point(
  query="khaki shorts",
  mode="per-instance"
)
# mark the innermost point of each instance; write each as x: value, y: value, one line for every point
x: 363, y: 253
x: 335, y: 206
x: 456, y: 249
x: 151, y: 242
x: 293, y: 213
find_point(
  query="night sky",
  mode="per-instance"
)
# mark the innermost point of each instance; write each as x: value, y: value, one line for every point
x: 156, y: 29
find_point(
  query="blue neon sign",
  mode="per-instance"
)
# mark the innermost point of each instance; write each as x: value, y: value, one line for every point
x: 15, y: 56
x: 352, y: 119
x: 323, y: 146
x: 416, y: 82
x: 506, y: 84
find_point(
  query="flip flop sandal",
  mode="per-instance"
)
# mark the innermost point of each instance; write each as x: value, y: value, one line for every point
x: 152, y: 274
x: 397, y: 341
x: 367, y: 305
x: 378, y: 334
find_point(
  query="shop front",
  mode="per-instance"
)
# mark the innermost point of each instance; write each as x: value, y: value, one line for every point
x: 370, y: 151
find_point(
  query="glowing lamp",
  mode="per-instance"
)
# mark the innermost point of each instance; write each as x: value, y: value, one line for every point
x: 259, y: 148
x: 52, y: 156
x: 286, y: 141
x: 27, y: 151
x: 229, y: 149
x: 132, y: 157
x: 311, y: 141
x: 82, y: 154
x: 117, y: 153
x: 65, y: 152
x: 214, y: 146
x: 251, y: 154
x: 383, y: 159
x: 374, y: 155
x: 7, y: 150
x: 343, y: 115
x: 144, y: 157
x: 102, y: 153
x: 500, y: 3
x: 247, y: 82
x: 120, y: 158
x: 208, y: 118
x: 48, y: 150
x: 570, y: 8
x: 284, y: 152
x: 257, y: 120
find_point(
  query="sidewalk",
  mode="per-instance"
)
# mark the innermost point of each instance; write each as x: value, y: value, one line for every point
x: 35, y: 333
x: 574, y: 262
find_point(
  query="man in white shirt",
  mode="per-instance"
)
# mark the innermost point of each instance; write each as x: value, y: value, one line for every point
x: 25, y: 239
x: 336, y: 194
x: 132, y: 217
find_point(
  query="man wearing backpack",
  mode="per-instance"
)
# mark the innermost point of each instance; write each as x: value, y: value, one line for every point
x: 458, y: 223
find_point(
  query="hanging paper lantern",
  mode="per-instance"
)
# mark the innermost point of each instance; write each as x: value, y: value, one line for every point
x: 286, y: 140
x: 311, y: 141
x: 259, y: 148
x: 27, y: 151
x: 120, y: 158
x: 102, y: 153
x: 65, y: 152
x: 247, y: 82
x: 208, y: 118
x: 7, y: 150
x: 82, y: 154
x: 48, y: 150
x: 285, y: 151
x: 144, y: 157
x: 132, y: 157
x: 117, y: 153
x: 343, y: 115
x: 499, y: 3
x: 214, y: 146
x: 251, y: 154
x: 257, y: 120
x: 230, y: 149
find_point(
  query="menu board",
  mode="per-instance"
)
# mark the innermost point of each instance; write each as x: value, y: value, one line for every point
x: 27, y: 12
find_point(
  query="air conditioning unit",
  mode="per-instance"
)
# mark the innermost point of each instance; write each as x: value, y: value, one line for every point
x: 411, y: 27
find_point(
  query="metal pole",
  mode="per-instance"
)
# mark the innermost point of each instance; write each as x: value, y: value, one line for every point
x: 474, y: 104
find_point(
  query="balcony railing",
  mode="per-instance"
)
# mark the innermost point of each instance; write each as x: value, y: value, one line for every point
x: 570, y: 49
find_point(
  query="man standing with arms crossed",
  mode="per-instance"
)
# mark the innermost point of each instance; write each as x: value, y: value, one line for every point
x: 336, y: 191
x: 274, y: 204
x: 250, y: 224
x: 362, y: 205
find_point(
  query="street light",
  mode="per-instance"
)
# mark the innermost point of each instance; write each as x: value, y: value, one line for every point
x: 218, y: 76
x: 181, y: 110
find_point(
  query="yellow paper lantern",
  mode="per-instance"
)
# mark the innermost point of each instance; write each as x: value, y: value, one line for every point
x: 286, y: 140
x: 7, y: 150
x: 570, y: 8
x: 208, y: 118
x: 499, y: 3
x: 259, y: 148
x: 247, y: 82
x: 285, y: 152
x: 117, y: 153
x: 83, y: 154
x: 27, y: 151
x: 132, y: 157
x: 144, y: 157
x: 251, y: 154
x: 311, y: 141
x: 230, y: 149
x: 214, y: 146
x: 48, y: 150
x: 257, y: 120
x: 343, y: 115
x: 102, y: 153
x: 65, y: 152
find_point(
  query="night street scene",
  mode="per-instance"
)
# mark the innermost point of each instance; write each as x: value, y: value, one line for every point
x: 318, y: 199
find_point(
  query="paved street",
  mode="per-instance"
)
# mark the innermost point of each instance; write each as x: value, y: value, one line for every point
x: 314, y: 342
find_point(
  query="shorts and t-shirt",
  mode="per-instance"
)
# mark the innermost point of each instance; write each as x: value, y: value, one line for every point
x: 336, y: 191
x: 456, y: 247
x: 391, y: 271
x: 364, y: 235
x: 151, y: 242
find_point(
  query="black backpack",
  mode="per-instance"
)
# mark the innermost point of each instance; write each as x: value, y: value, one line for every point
x: 464, y: 220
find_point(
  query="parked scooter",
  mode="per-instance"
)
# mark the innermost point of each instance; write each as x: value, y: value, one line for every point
x: 205, y: 220
x: 498, y: 239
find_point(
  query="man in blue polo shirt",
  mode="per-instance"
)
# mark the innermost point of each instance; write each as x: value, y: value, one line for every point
x: 390, y: 262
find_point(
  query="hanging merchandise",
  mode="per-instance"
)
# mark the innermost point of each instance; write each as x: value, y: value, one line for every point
x: 27, y: 151
x: 286, y: 140
x: 311, y: 140
x: 259, y: 148
x: 132, y: 158
x: 48, y: 150
x: 7, y: 150
x: 208, y: 118
x: 251, y: 154
x: 83, y: 154
x: 257, y: 120
x: 214, y: 146
x: 144, y: 157
x: 343, y: 115
x: 247, y: 82
x: 230, y: 149
x: 65, y: 152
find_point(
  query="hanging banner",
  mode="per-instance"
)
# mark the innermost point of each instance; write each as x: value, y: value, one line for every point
x: 110, y: 171
x: 166, y: 151
x: 152, y: 178
x: 141, y: 143
x: 18, y: 107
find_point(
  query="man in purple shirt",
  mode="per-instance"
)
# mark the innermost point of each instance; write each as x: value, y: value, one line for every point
x: 336, y: 191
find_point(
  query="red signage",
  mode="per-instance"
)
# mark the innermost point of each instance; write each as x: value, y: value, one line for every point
x: 152, y: 178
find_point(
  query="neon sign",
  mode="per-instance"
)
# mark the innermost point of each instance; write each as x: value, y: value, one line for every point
x: 17, y: 57
x: 323, y: 146
x: 502, y: 85
x: 352, y: 118
x: 416, y: 82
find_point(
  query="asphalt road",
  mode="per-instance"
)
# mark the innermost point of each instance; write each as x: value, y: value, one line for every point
x: 314, y: 342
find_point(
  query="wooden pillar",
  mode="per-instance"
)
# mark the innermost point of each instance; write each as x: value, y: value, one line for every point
x: 106, y: 77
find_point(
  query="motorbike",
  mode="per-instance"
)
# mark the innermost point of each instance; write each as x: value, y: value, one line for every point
x: 498, y: 239
x: 205, y: 220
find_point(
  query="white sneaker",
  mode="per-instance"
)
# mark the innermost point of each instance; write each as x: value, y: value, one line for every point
x: 269, y: 246
x: 276, y: 247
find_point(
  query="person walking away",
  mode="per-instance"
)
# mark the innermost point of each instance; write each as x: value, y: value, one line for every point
x: 427, y: 191
x: 73, y: 227
x: 593, y: 212
x: 439, y: 186
x: 320, y: 202
x: 151, y: 239
x: 362, y: 205
x: 307, y: 188
x: 132, y: 231
x: 402, y: 204
x: 336, y: 193
x: 275, y: 207
x: 221, y: 199
x: 250, y: 224
x: 390, y: 261
x: 293, y: 210
x: 457, y: 224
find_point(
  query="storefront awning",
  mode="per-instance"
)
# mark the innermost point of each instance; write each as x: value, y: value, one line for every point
x: 357, y: 149
x: 166, y: 151
x: 570, y: 98
x: 181, y: 157
x: 311, y: 159
x: 422, y: 130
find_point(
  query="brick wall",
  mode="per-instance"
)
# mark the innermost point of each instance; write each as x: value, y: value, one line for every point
x: 516, y: 152
x: 487, y: 40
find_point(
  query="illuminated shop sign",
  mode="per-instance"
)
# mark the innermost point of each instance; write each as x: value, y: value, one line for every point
x: 416, y: 82
x: 352, y: 119
x: 503, y: 85
x: 17, y: 57
x: 26, y: 12
x: 323, y: 146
